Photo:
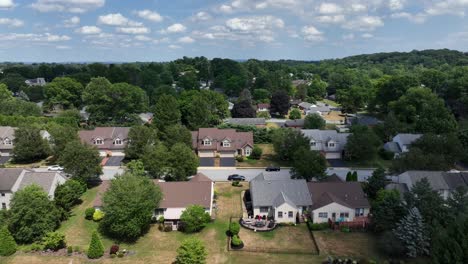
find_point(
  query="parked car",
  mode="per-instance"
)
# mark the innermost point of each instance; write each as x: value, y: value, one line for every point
x: 272, y: 168
x: 55, y: 168
x: 236, y: 177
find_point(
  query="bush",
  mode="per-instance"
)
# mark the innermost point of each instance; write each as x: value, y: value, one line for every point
x: 167, y: 228
x: 236, y: 184
x: 239, y: 158
x: 120, y: 254
x: 96, y: 249
x: 89, y: 212
x: 7, y: 243
x: 194, y: 218
x: 256, y: 153
x: 236, y: 242
x: 345, y: 229
x: 113, y: 255
x: 114, y: 249
x: 69, y: 250
x: 37, y: 246
x: 98, y: 215
x: 161, y: 219
x: 77, y: 249
x: 191, y: 251
x: 54, y: 241
x: 234, y: 228
x: 317, y: 226
x: 386, y: 155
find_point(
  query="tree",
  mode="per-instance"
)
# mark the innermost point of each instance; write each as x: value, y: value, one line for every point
x: 412, y: 232
x: 314, y: 121
x: 308, y: 164
x: 256, y: 153
x: 317, y: 89
x: 261, y: 94
x: 176, y: 134
x: 96, y: 249
x: 60, y: 137
x: 295, y: 114
x: 458, y: 201
x: 188, y: 81
x: 128, y: 206
x: 353, y: 99
x: 136, y: 167
x: 29, y: 145
x: 183, y: 162
x: 54, y: 241
x: 392, y: 88
x: 191, y: 251
x: 363, y: 144
x: 243, y: 109
x: 68, y: 194
x: 5, y: 94
x: 351, y: 176
x: 32, y: 214
x: 287, y: 141
x: 387, y: 210
x: 194, y: 218
x: 428, y: 202
x: 63, y: 91
x: 139, y: 137
x: 81, y: 161
x: 7, y: 242
x: 375, y: 183
x: 155, y: 160
x: 14, y: 81
x: 197, y: 113
x: 166, y: 112
x: 279, y: 103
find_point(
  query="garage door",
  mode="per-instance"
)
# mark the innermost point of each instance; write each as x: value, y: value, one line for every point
x: 227, y: 154
x: 227, y: 162
x: 206, y: 162
x: 333, y: 155
x: 209, y: 154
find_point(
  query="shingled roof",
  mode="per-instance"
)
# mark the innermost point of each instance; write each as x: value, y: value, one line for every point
x: 267, y: 192
x: 108, y: 134
x: 238, y: 139
x: 349, y: 194
x: 8, y: 177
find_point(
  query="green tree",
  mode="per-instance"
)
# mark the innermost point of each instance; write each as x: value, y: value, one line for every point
x: 136, y: 167
x: 375, y: 183
x: 7, y: 242
x: 256, y: 153
x: 308, y: 164
x: 314, y: 121
x: 317, y: 89
x: 29, y: 146
x: 428, y: 201
x: 14, y: 81
x: 139, y: 137
x: 54, y: 241
x: 5, y: 94
x: 287, y: 141
x: 176, y: 134
x: 194, y: 218
x: 96, y: 248
x: 183, y: 162
x: 279, y: 103
x: 81, y: 161
x: 261, y: 94
x: 60, y: 136
x: 295, y: 114
x: 32, y: 214
x: 68, y: 194
x: 189, y: 81
x: 155, y: 159
x: 363, y: 144
x: 412, y: 232
x: 166, y: 112
x: 243, y: 109
x: 353, y: 99
x: 387, y: 210
x: 63, y: 91
x: 191, y: 251
x: 128, y: 206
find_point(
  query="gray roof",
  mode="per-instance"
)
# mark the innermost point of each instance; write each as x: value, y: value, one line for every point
x: 246, y: 121
x: 305, y: 105
x: 323, y: 136
x: 435, y: 178
x: 271, y: 192
x: 365, y: 120
x: 8, y: 178
x: 392, y: 147
x: 456, y: 179
x: 408, y: 139
x: 43, y: 179
x: 281, y: 199
x: 294, y: 123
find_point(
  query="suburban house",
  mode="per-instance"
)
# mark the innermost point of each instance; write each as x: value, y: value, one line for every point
x: 318, y: 108
x: 338, y: 201
x: 298, y: 123
x: 442, y: 182
x: 263, y: 107
x: 226, y: 144
x: 176, y: 197
x: 146, y: 118
x: 36, y: 82
x: 329, y: 142
x: 110, y: 141
x: 12, y: 180
x: 258, y: 122
x: 401, y: 143
x: 7, y: 141
x: 285, y: 201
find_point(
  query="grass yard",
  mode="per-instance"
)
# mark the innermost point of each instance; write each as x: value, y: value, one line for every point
x: 377, y: 162
x: 268, y: 158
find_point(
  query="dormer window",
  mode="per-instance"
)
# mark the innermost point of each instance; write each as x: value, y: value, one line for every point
x: 7, y: 141
x: 313, y: 143
x: 206, y: 142
x: 99, y: 141
x: 331, y: 144
x: 226, y: 143
x: 118, y: 141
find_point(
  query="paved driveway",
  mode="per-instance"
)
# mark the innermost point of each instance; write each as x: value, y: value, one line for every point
x: 221, y: 174
x: 227, y: 162
x: 114, y: 161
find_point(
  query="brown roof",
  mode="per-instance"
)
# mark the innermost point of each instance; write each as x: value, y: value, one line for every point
x: 200, y: 177
x: 349, y: 194
x: 8, y: 178
x: 238, y: 139
x: 175, y: 194
x: 108, y: 134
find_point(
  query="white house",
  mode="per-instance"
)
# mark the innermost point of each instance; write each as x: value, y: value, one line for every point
x: 329, y: 142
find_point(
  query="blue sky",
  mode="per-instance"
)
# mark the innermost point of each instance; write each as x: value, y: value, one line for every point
x: 162, y: 30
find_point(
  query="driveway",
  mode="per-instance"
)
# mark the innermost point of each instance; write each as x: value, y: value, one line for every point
x: 227, y: 162
x: 337, y: 163
x: 109, y: 173
x: 4, y: 159
x: 114, y: 161
x: 221, y: 174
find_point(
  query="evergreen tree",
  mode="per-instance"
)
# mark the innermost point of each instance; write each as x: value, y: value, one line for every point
x: 7, y: 242
x: 29, y: 145
x: 96, y: 249
x: 387, y: 210
x: 428, y: 201
x: 412, y: 232
x: 166, y: 112
x: 191, y: 251
x: 375, y: 183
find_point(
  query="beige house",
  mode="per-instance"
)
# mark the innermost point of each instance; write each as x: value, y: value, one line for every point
x: 110, y: 141
x: 225, y: 143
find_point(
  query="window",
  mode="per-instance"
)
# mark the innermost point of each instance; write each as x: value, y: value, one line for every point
x: 118, y: 141
x: 280, y: 214
x: 159, y: 212
x: 263, y: 209
x: 248, y: 151
x: 331, y: 145
x: 226, y: 144
x: 344, y: 215
x: 313, y: 143
x: 99, y: 141
x: 323, y: 215
x: 3, y: 194
x: 4, y: 206
x: 359, y: 212
x: 304, y: 208
x: 7, y: 141
x: 290, y: 214
x: 207, y: 142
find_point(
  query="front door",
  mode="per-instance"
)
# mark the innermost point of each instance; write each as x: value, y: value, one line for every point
x: 333, y: 216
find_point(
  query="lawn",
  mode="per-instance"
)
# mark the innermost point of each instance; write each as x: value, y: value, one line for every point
x: 377, y: 162
x: 268, y: 158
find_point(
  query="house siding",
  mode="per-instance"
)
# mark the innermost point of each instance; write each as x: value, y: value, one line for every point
x: 337, y: 209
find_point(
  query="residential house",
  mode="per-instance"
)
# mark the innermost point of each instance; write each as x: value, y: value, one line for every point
x: 298, y: 123
x: 263, y: 107
x: 176, y: 197
x: 146, y: 118
x: 227, y: 143
x: 329, y: 142
x: 36, y: 82
x: 401, y: 143
x: 318, y: 108
x: 285, y: 201
x: 7, y: 139
x: 110, y: 141
x: 301, y: 82
x: 258, y: 122
x: 337, y: 201
x: 442, y: 182
x: 12, y: 180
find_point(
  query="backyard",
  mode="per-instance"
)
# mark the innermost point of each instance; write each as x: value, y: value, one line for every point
x: 268, y: 158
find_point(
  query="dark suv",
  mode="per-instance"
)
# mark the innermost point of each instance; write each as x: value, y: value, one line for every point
x: 236, y: 177
x: 272, y: 168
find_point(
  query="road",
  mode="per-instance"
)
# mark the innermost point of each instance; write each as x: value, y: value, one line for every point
x: 108, y: 173
x: 221, y: 174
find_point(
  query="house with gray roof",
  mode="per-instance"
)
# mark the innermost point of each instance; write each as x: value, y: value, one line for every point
x: 36, y: 82
x: 329, y: 142
x: 283, y: 200
x: 7, y: 140
x: 401, y: 143
x: 12, y: 180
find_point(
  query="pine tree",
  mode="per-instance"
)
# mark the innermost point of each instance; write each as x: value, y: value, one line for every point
x: 348, y: 176
x: 7, y: 242
x: 412, y: 232
x: 355, y: 176
x: 96, y: 249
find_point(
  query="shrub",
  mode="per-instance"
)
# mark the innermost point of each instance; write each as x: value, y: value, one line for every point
x: 386, y: 155
x: 96, y: 249
x: 317, y: 226
x: 256, y: 153
x: 167, y: 228
x: 89, y: 212
x: 194, y: 218
x: 236, y: 184
x: 37, y: 246
x: 236, y: 241
x: 7, y: 242
x: 69, y: 250
x: 54, y: 241
x: 345, y: 229
x: 239, y: 158
x: 161, y: 219
x: 114, y: 249
x: 191, y: 251
x: 98, y: 215
x: 113, y: 255
x: 77, y: 249
x: 120, y: 254
x: 234, y: 228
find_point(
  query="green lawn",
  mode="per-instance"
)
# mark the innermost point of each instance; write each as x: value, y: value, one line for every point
x: 268, y: 158
x: 377, y: 162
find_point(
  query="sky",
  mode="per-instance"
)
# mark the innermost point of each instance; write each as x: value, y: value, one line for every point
x: 163, y: 30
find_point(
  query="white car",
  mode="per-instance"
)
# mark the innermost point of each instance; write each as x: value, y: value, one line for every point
x: 55, y: 168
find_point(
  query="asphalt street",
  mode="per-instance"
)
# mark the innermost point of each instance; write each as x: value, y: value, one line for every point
x: 221, y: 174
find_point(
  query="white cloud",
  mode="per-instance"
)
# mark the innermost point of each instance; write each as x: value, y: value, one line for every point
x: 418, y: 18
x: 202, y: 16
x: 455, y: 7
x: 175, y: 28
x: 72, y: 21
x: 225, y: 9
x: 5, y: 4
x: 364, y: 23
x: 143, y: 38
x: 46, y: 37
x: 62, y: 47
x: 349, y: 36
x: 396, y: 4
x: 133, y: 30
x: 117, y: 19
x: 358, y: 7
x: 329, y: 8
x: 186, y: 39
x: 11, y: 22
x: 311, y: 33
x: 254, y: 23
x: 72, y: 6
x: 334, y: 19
x: 87, y: 30
x: 174, y: 47
x: 150, y: 15
x: 367, y: 35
